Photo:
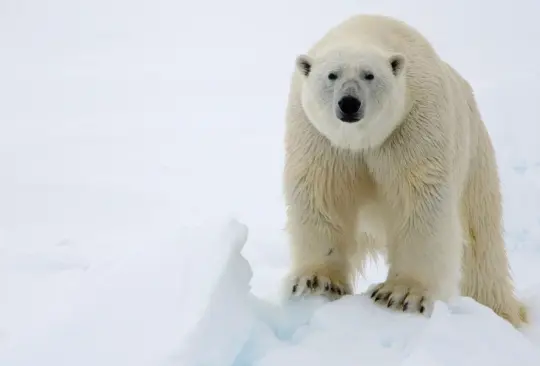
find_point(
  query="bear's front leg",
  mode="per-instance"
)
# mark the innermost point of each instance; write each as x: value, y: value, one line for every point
x: 424, y: 251
x: 319, y: 257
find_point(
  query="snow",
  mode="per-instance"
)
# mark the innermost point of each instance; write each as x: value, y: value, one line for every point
x: 239, y: 329
x: 141, y: 214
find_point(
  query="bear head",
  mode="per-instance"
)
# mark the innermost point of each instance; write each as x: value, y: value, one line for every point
x: 355, y: 98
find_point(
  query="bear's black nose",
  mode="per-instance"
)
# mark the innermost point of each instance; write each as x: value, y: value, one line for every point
x: 349, y: 107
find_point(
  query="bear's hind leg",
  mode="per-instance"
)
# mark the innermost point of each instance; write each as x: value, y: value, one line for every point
x: 486, y: 273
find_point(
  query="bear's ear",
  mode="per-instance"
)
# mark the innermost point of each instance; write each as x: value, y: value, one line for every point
x: 397, y: 63
x: 303, y: 64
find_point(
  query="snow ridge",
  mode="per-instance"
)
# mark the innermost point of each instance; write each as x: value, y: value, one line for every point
x: 239, y: 329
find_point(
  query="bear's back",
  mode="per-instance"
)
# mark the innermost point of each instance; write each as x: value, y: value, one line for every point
x: 387, y: 33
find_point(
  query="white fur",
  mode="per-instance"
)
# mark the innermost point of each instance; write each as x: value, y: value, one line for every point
x: 415, y: 178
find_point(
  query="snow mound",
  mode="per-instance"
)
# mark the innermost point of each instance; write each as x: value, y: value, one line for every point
x: 193, y: 305
x: 239, y: 329
x: 132, y: 311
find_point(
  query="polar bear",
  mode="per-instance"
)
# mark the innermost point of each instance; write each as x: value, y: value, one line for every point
x: 386, y: 153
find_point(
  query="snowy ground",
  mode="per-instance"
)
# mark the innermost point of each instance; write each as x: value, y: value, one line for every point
x: 132, y: 131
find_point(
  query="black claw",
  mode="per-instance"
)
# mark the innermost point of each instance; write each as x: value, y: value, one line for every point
x: 294, y: 288
x: 404, y: 299
x: 378, y: 297
x: 315, y: 282
x: 405, y: 306
x: 390, y: 303
x: 374, y: 293
x: 326, y: 287
x: 308, y: 283
x: 422, y: 307
x: 338, y: 290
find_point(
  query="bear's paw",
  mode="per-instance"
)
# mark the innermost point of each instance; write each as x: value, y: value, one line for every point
x: 320, y: 282
x: 402, y: 295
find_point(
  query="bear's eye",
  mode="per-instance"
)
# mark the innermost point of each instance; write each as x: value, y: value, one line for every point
x: 369, y: 76
x: 332, y: 76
